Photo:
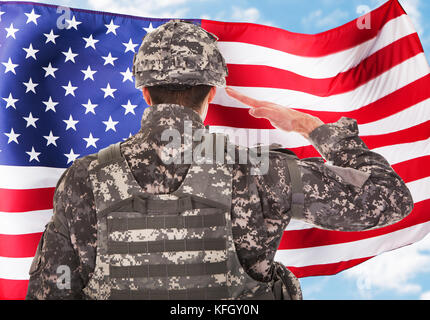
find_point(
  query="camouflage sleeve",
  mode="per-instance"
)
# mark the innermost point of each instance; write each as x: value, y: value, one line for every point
x: 356, y: 189
x: 54, y: 273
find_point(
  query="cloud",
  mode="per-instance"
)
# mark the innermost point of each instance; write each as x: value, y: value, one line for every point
x: 425, y: 295
x: 245, y: 15
x: 318, y: 19
x: 394, y: 271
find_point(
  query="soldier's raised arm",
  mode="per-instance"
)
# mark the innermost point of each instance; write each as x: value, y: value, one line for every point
x: 356, y: 189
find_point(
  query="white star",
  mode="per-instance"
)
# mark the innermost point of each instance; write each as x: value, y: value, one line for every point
x: 50, y: 105
x: 71, y: 156
x: 90, y: 42
x: 149, y: 29
x: 69, y: 89
x: 51, y: 139
x: 71, y: 123
x: 30, y: 121
x: 12, y: 136
x: 1, y: 13
x: 130, y: 46
x: 110, y: 124
x: 89, y: 107
x: 129, y: 108
x: 50, y: 70
x: 30, y: 86
x: 128, y: 75
x: 109, y: 59
x: 73, y: 23
x: 10, y: 101
x: 50, y: 37
x: 108, y: 91
x: 33, y: 155
x: 70, y: 55
x: 111, y: 27
x: 11, y: 31
x: 91, y: 141
x: 10, y: 66
x: 32, y: 17
x: 89, y: 74
x: 31, y: 52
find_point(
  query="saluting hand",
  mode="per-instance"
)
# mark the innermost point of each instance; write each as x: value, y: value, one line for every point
x: 279, y: 116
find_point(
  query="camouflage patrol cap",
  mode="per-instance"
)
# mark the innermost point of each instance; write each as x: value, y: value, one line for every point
x: 179, y: 53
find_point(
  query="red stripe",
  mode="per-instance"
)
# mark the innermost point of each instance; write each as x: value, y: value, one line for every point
x: 313, y: 237
x: 317, y: 45
x: 14, y: 200
x: 19, y: 246
x: 413, y: 169
x: 370, y: 68
x: 393, y: 103
x: 325, y: 269
x: 13, y: 289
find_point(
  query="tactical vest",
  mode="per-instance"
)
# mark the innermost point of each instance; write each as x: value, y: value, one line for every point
x: 166, y: 246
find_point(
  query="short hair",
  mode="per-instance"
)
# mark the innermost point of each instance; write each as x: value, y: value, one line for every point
x: 188, y: 96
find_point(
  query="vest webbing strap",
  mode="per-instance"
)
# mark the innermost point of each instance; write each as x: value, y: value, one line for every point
x: 109, y: 153
x: 166, y: 246
x: 298, y: 197
x: 209, y: 293
x: 168, y: 270
x: 162, y: 222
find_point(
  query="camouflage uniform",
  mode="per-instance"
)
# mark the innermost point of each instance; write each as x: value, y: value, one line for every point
x: 358, y: 190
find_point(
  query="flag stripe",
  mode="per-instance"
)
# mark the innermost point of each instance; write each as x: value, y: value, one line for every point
x: 14, y: 200
x: 17, y: 223
x: 305, y: 44
x: 370, y: 68
x: 19, y: 246
x: 13, y: 289
x: 15, y: 268
x: 11, y: 177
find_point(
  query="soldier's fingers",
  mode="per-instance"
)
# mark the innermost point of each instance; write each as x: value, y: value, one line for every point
x: 263, y: 112
x: 243, y: 98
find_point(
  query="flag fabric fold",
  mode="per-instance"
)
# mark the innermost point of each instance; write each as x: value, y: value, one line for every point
x: 66, y: 90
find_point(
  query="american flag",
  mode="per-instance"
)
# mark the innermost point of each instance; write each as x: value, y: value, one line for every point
x: 66, y: 90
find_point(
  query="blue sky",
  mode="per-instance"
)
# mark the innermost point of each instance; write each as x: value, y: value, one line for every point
x: 401, y: 274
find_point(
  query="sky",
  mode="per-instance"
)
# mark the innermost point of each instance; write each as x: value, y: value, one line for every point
x: 400, y: 274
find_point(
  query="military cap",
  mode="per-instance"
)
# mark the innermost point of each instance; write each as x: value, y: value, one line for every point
x: 179, y: 53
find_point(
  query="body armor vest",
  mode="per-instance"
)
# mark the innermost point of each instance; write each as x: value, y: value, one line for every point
x: 166, y: 246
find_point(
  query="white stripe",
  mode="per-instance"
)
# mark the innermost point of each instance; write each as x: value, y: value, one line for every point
x: 24, y: 222
x: 390, y: 81
x: 405, y: 151
x: 15, y: 268
x: 353, y: 250
x: 316, y: 67
x: 12, y: 176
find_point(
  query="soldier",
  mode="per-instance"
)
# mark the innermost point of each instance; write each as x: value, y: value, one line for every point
x: 131, y: 223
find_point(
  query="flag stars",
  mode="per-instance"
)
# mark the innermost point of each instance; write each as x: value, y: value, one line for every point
x: 30, y: 120
x: 10, y: 66
x: 111, y: 27
x: 71, y: 156
x: 50, y: 105
x: 90, y: 42
x: 89, y: 74
x: 127, y: 75
x: 51, y: 139
x: 13, y: 137
x: 110, y: 124
x: 70, y: 56
x: 73, y: 23
x: 108, y: 91
x: 1, y: 13
x: 33, y: 155
x: 11, y: 31
x: 50, y: 37
x: 10, y: 101
x: 32, y: 17
x: 130, y: 46
x: 30, y: 86
x: 129, y: 108
x: 89, y: 107
x: 109, y: 59
x: 50, y: 70
x: 91, y: 141
x: 149, y: 29
x: 71, y: 123
x: 31, y: 52
x: 69, y: 89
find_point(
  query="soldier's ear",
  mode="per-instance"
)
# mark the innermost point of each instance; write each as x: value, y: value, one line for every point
x: 212, y: 94
x: 147, y: 96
